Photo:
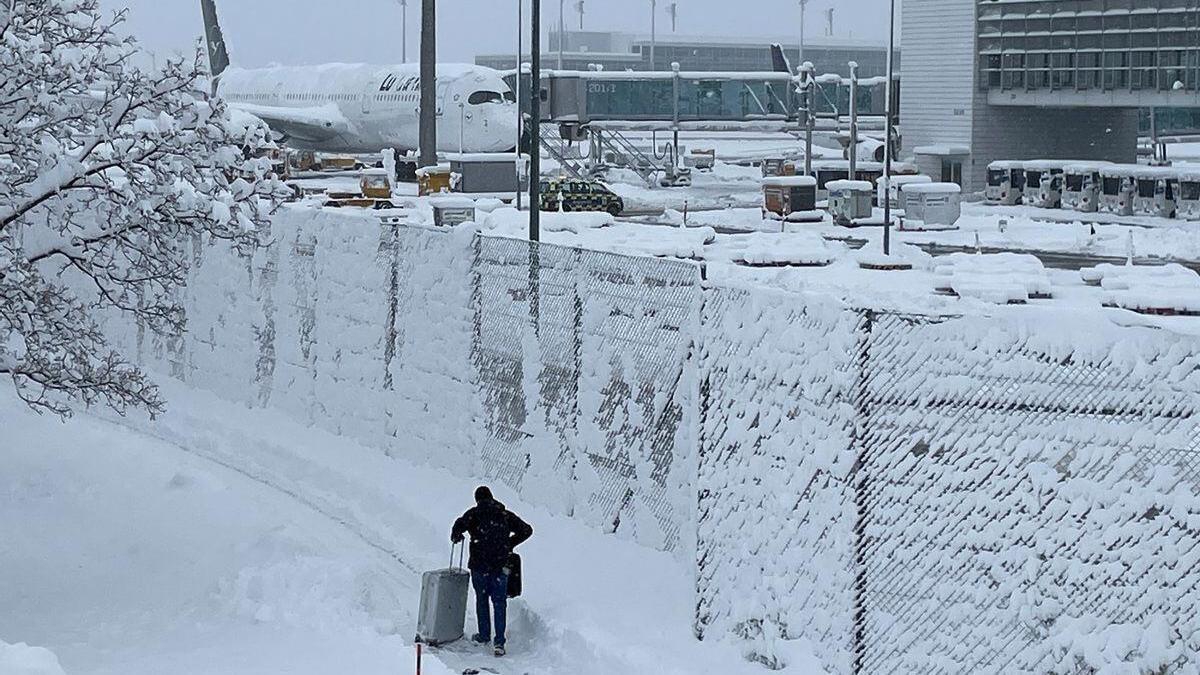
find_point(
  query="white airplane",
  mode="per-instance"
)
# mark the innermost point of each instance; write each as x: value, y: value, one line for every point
x: 360, y: 108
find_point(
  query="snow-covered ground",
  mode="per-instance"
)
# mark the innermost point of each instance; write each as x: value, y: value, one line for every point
x: 219, y: 539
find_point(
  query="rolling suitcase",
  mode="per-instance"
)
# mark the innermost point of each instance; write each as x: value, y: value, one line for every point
x: 443, y: 612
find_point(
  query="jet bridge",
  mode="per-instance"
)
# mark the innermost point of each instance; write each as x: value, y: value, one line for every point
x: 598, y: 105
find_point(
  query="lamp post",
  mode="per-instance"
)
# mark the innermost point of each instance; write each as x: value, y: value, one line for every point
x: 562, y: 27
x: 517, y: 95
x: 404, y: 31
x: 887, y: 145
x: 579, y: 8
x: 653, y: 32
x: 428, y: 126
x: 535, y: 118
x: 803, y: 8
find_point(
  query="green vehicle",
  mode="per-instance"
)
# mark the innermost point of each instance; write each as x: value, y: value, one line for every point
x: 579, y: 195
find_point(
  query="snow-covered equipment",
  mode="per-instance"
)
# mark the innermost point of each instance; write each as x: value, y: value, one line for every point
x: 433, y: 179
x: 776, y: 166
x: 931, y: 206
x: 1157, y: 187
x: 849, y: 200
x: 491, y: 173
x: 1188, y: 198
x: 443, y: 611
x: 1044, y: 183
x: 792, y: 198
x: 375, y: 192
x: 702, y: 160
x: 999, y: 278
x: 1005, y: 182
x: 1081, y: 186
x: 451, y: 211
x: 896, y: 190
x: 1168, y: 290
x: 1118, y: 188
x: 828, y: 170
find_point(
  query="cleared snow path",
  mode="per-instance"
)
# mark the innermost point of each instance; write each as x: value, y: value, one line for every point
x: 225, y: 540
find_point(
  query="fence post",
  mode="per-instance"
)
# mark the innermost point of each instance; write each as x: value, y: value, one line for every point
x: 860, y: 478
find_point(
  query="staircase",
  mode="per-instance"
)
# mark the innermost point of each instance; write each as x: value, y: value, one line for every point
x: 551, y: 144
x: 617, y: 149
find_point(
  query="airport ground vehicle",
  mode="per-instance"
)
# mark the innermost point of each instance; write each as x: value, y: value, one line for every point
x: 1005, y: 183
x: 571, y: 194
x: 375, y: 192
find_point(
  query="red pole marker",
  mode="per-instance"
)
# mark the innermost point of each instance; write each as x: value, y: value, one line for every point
x: 418, y: 658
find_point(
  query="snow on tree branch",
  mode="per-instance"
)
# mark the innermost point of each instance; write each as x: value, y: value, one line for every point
x: 105, y: 171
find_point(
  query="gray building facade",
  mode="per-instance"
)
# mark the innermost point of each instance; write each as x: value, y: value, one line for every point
x: 1032, y: 79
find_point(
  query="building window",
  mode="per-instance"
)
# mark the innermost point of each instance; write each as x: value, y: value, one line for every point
x: 952, y: 170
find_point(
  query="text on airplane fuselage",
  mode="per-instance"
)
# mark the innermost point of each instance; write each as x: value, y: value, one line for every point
x: 412, y: 83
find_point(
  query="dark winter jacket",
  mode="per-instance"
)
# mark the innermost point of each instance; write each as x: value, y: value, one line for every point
x: 494, y: 531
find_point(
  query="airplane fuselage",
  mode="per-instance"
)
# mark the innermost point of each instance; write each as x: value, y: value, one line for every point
x: 358, y: 108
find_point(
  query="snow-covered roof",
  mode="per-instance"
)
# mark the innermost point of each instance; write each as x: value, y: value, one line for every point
x: 790, y: 181
x: 942, y: 150
x: 905, y: 179
x: 933, y: 188
x: 508, y: 157
x: 1139, y: 171
x: 1086, y: 167
x: 1006, y: 165
x: 848, y: 185
x: 1045, y: 164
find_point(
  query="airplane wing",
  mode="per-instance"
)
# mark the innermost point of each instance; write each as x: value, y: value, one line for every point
x: 315, y: 124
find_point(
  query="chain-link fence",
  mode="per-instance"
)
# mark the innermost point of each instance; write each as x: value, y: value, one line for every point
x: 1015, y: 493
x: 585, y: 375
x: 970, y: 495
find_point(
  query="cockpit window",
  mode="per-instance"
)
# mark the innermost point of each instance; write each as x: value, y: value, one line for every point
x: 485, y: 97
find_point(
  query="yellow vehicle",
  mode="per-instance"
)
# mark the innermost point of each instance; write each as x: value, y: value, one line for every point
x: 568, y: 194
x: 375, y: 192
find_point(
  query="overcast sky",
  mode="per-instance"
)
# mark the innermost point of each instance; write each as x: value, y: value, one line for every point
x: 260, y: 32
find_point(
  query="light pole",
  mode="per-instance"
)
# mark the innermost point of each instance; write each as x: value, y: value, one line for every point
x: 653, y: 34
x: 428, y: 127
x: 562, y: 27
x: 517, y: 94
x: 535, y: 118
x: 803, y: 8
x: 404, y: 31
x: 887, y: 145
x: 579, y: 8
x: 673, y: 10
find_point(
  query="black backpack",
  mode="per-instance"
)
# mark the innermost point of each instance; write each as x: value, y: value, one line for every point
x: 514, y: 575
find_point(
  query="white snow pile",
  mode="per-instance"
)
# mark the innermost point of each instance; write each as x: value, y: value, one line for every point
x: 1168, y: 288
x: 511, y: 222
x: 775, y: 249
x: 999, y: 278
x: 22, y: 659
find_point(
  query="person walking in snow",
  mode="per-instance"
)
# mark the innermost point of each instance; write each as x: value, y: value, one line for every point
x: 495, y: 532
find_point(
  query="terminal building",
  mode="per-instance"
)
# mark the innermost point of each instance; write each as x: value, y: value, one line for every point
x: 584, y: 50
x: 1032, y: 79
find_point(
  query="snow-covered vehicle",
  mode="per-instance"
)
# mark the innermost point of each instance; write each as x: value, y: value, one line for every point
x: 1118, y: 189
x: 1005, y: 182
x: 1188, y: 197
x: 1081, y: 186
x: 375, y: 192
x: 1044, y: 183
x: 1157, y: 190
x: 579, y: 195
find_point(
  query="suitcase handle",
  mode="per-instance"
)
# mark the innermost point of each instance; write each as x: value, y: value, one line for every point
x: 461, y: 552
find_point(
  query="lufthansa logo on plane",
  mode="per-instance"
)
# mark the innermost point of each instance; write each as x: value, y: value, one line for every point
x: 388, y: 83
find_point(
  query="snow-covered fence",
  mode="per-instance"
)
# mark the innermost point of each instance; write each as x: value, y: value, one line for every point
x: 920, y: 494
x: 422, y: 341
x: 1001, y: 494
x: 590, y: 381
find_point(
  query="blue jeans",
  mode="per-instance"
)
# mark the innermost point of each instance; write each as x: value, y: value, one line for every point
x: 491, y: 586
